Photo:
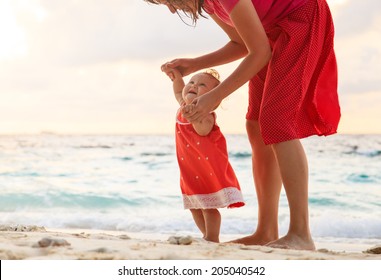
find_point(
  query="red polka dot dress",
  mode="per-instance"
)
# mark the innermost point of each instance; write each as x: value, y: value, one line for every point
x: 295, y: 95
x: 207, y: 179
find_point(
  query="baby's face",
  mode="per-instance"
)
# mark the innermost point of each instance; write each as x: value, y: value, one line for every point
x: 198, y: 85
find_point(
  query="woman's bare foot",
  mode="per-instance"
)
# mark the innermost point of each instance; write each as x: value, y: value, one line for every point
x: 292, y: 241
x: 254, y: 239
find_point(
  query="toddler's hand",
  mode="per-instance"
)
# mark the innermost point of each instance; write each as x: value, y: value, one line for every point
x: 172, y: 73
x: 187, y: 109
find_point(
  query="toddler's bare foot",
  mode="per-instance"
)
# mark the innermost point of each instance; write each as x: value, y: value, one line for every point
x: 215, y: 240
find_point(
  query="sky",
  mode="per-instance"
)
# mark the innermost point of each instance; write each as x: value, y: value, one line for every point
x: 93, y: 66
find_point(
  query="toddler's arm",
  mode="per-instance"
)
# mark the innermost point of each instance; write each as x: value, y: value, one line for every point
x: 178, y: 85
x: 202, y: 127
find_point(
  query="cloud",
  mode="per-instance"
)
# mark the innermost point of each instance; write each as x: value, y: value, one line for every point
x: 94, y: 65
x: 85, y: 32
x: 358, y: 50
x: 354, y: 17
x: 358, y: 46
x: 81, y: 32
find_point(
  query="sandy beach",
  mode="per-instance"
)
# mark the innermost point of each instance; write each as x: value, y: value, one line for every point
x: 39, y: 243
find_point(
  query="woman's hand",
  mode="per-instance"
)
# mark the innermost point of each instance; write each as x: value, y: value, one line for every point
x: 185, y: 66
x: 200, y: 107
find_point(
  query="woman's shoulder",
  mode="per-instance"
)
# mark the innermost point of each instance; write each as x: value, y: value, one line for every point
x: 268, y: 10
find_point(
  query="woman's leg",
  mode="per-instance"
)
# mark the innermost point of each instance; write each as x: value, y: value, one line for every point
x: 268, y: 186
x: 212, y: 219
x: 293, y: 166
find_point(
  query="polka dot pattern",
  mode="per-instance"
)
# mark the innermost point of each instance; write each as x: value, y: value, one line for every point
x: 295, y: 95
x: 207, y: 179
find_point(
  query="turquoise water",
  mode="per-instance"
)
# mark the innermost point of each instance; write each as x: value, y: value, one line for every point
x: 131, y: 183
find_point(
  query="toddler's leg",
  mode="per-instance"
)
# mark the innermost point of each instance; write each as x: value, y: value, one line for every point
x: 198, y: 218
x: 212, y: 219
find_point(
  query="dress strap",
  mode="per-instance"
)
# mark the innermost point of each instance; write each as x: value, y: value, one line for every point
x: 188, y: 123
x: 178, y: 121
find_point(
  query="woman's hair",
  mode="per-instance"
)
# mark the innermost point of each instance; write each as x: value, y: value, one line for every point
x: 194, y: 15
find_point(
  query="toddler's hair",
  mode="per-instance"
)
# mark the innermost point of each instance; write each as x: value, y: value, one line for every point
x: 214, y: 73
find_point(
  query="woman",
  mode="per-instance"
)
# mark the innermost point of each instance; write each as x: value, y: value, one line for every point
x: 289, y: 61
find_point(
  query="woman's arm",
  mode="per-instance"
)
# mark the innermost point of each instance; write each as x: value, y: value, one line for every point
x: 232, y: 51
x: 250, y: 29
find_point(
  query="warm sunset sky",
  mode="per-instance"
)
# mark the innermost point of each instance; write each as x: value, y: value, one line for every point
x: 93, y: 66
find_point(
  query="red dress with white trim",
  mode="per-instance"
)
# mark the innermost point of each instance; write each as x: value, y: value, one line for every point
x: 207, y: 179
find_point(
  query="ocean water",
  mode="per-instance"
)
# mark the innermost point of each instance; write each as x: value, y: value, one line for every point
x: 130, y: 183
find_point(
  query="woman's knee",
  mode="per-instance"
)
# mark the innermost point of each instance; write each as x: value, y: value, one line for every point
x: 254, y: 132
x: 252, y: 128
